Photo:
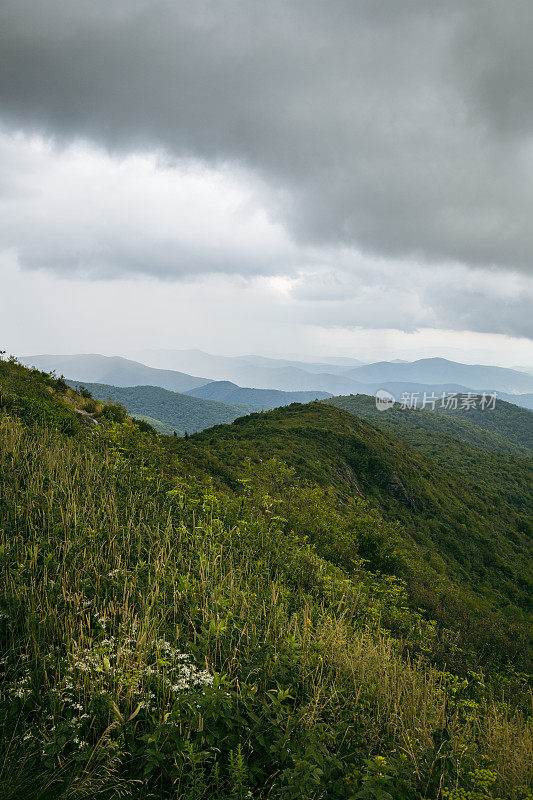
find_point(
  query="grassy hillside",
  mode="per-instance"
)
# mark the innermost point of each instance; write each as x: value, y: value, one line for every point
x: 167, y: 411
x: 467, y: 534
x: 165, y: 638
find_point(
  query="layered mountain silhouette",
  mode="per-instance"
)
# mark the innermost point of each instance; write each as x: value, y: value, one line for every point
x: 440, y: 370
x: 113, y: 370
x: 227, y: 392
x: 236, y: 380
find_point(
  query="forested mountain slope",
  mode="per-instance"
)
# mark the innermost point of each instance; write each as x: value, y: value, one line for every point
x: 180, y: 620
x: 167, y: 411
x: 469, y: 527
x: 227, y: 392
x: 506, y: 428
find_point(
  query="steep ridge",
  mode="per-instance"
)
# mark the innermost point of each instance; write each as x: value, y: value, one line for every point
x: 462, y: 531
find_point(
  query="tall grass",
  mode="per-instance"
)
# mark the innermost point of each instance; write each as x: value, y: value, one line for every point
x: 116, y: 575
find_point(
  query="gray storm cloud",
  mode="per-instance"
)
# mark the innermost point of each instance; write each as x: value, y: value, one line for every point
x: 402, y: 129
x: 408, y: 297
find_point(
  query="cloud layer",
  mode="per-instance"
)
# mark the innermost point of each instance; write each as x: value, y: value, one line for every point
x: 401, y: 129
x: 77, y: 210
x: 329, y: 166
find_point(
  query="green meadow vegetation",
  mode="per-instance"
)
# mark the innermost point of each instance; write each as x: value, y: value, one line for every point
x: 240, y: 614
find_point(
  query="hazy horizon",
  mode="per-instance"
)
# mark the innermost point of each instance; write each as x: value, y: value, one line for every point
x: 153, y: 357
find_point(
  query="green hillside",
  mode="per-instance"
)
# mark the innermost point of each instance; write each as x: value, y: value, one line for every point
x: 160, y: 427
x: 466, y: 531
x: 180, y: 619
x: 504, y: 429
x: 166, y: 411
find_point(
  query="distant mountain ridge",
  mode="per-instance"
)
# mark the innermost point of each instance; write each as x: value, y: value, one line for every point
x: 397, y: 377
x: 113, y: 370
x: 440, y: 370
x: 291, y: 375
x: 219, y: 367
x: 227, y: 392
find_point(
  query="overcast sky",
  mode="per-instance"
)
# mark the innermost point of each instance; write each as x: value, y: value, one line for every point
x: 297, y: 177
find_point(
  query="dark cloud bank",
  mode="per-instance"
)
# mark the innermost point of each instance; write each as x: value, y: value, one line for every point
x: 402, y: 128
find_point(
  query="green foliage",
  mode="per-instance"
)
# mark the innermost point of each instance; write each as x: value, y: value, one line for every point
x: 351, y: 534
x: 382, y: 779
x: 35, y: 396
x: 238, y: 774
x: 114, y: 412
x: 178, y: 625
x: 253, y: 399
x: 506, y: 428
x: 167, y: 411
x: 479, y: 785
x: 464, y: 542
